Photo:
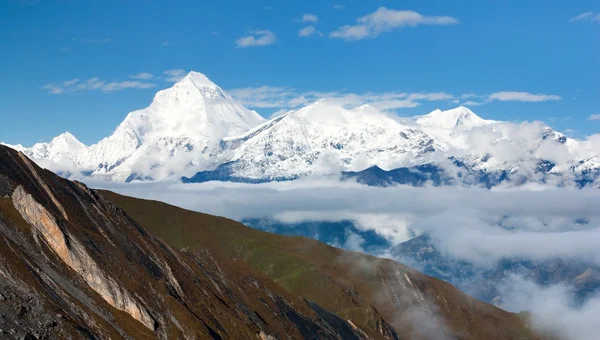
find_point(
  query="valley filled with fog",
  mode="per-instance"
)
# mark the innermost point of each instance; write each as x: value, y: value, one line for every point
x: 478, y: 228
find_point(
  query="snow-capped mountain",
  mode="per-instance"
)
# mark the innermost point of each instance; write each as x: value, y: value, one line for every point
x: 324, y: 138
x: 195, y: 127
x: 451, y: 127
x: 62, y: 147
x: 181, y: 128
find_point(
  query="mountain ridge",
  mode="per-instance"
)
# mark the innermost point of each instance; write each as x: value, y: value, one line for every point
x: 194, y: 127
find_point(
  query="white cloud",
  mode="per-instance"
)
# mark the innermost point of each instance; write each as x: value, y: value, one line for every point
x: 307, y: 31
x: 339, y: 7
x: 174, y: 75
x: 594, y: 116
x: 522, y: 96
x: 471, y: 103
x: 385, y: 20
x: 309, y: 18
x: 75, y: 85
x: 290, y: 98
x: 553, y: 308
x: 165, y: 43
x: 142, y: 75
x: 127, y: 84
x: 91, y: 84
x: 587, y: 16
x: 257, y: 38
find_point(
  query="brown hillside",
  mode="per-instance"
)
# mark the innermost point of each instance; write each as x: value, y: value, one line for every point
x: 358, y: 287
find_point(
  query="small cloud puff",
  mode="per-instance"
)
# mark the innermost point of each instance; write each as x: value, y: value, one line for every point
x: 256, y: 38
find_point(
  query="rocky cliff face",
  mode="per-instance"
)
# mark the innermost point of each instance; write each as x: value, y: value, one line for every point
x: 75, y: 265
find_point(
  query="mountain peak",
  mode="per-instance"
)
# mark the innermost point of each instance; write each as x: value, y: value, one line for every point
x: 461, y: 116
x: 66, y: 141
x: 199, y: 80
x: 65, y: 136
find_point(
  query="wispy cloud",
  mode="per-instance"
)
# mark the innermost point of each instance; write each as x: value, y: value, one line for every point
x: 256, y: 38
x: 594, y: 116
x: 127, y: 84
x: 76, y: 85
x: 165, y: 44
x: 309, y: 18
x: 174, y: 75
x: 587, y: 16
x: 339, y: 7
x: 385, y: 20
x: 522, y: 96
x: 142, y: 75
x: 471, y: 103
x: 59, y: 88
x: 290, y: 98
x: 89, y: 40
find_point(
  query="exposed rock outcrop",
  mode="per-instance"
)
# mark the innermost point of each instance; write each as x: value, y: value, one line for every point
x: 72, y: 252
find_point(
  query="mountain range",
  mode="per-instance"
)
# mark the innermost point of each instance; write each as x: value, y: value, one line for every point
x: 196, y: 132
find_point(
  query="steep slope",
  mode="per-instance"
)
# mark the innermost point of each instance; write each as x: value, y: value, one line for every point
x: 324, y: 138
x: 75, y: 265
x: 356, y: 286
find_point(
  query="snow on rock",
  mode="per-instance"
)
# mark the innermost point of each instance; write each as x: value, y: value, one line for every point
x: 323, y: 138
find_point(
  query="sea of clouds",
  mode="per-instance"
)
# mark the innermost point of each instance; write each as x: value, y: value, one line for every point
x: 478, y: 225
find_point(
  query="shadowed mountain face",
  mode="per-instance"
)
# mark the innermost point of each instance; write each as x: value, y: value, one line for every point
x: 75, y: 265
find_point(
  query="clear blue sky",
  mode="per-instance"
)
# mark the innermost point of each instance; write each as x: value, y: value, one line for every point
x: 454, y: 47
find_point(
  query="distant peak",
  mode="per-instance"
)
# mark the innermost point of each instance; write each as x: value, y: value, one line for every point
x: 366, y: 108
x: 463, y: 111
x: 66, y: 137
x: 460, y: 116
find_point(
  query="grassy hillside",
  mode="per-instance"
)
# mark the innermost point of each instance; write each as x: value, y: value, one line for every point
x: 356, y: 286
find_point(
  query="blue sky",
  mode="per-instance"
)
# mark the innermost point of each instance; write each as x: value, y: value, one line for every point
x: 521, y: 60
